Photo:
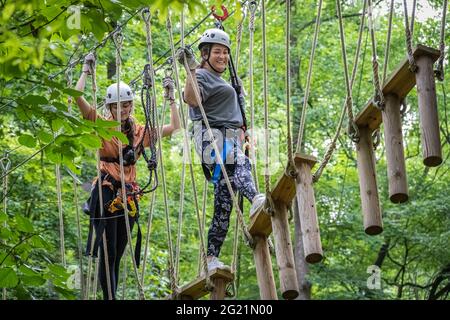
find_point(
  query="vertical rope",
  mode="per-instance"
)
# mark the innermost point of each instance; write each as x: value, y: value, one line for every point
x: 147, y: 237
x: 388, y: 41
x: 118, y: 40
x: 379, y: 97
x: 412, y: 62
x: 100, y: 192
x: 146, y: 14
x: 265, y: 99
x: 238, y: 39
x: 5, y: 164
x: 251, y: 26
x: 288, y: 83
x: 332, y: 146
x: 124, y: 276
x: 413, y: 15
x: 204, y: 197
x: 95, y: 281
x: 69, y: 75
x: 440, y: 63
x: 308, y: 80
x: 352, y: 129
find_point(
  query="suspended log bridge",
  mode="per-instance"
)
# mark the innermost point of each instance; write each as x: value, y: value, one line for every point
x: 263, y: 224
x: 397, y: 87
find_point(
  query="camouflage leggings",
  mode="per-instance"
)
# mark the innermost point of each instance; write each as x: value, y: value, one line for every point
x: 241, y: 180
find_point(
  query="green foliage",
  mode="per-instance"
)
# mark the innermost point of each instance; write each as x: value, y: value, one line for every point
x: 36, y: 43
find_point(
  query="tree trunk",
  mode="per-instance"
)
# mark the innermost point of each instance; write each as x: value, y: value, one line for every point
x: 301, y: 266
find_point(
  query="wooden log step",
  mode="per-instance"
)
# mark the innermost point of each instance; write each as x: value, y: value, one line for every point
x: 197, y: 288
x: 400, y: 83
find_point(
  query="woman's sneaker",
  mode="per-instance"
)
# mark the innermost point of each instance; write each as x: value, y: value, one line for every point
x: 258, y: 202
x: 215, y: 263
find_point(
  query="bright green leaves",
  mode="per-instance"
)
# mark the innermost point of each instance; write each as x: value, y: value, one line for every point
x: 34, y: 100
x: 91, y: 141
x: 8, y: 278
x: 23, y: 224
x: 27, y: 141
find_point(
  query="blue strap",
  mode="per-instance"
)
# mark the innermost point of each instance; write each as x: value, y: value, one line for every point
x: 227, y: 147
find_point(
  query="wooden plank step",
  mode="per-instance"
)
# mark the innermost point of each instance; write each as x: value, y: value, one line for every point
x: 400, y: 82
x: 196, y: 289
x: 284, y: 191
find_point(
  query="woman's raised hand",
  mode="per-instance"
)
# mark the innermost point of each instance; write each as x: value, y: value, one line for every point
x: 188, y: 54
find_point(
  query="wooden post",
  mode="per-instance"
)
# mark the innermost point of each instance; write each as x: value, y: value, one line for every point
x: 307, y: 208
x: 218, y: 292
x: 428, y: 113
x: 264, y: 272
x: 370, y: 202
x: 393, y: 140
x: 284, y: 251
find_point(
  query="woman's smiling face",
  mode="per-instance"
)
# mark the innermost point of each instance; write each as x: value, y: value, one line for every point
x: 218, y: 57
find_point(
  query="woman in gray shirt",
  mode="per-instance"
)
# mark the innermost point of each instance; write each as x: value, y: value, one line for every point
x: 220, y: 102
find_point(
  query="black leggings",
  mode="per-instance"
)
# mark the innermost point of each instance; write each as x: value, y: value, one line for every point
x: 117, y: 240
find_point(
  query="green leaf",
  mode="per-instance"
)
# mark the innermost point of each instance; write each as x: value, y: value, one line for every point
x: 91, y: 141
x: 34, y: 100
x: 101, y: 123
x: 57, y: 124
x: 5, y: 233
x: 122, y: 137
x: 72, y: 92
x: 60, y: 106
x: 34, y: 281
x: 45, y: 136
x: 8, y: 278
x: 58, y: 270
x: 23, y: 224
x: 27, y: 140
x: 53, y: 84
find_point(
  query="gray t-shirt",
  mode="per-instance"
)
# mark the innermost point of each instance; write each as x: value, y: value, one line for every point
x: 219, y: 99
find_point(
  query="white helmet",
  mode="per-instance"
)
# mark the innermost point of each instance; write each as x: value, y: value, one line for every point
x: 126, y: 94
x: 215, y: 36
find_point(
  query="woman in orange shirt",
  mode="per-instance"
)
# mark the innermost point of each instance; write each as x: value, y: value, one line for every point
x: 113, y: 220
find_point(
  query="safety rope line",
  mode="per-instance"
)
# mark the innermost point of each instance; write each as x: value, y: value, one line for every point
x: 378, y: 99
x: 413, y: 15
x: 147, y: 237
x: 388, y: 41
x: 288, y: 88
x: 308, y: 79
x: 352, y: 128
x: 5, y: 164
x: 203, y: 221
x: 100, y: 191
x: 332, y: 147
x: 60, y: 215
x: 239, y: 39
x: 118, y: 41
x: 412, y: 63
x: 69, y: 77
x: 266, y: 103
x: 169, y: 73
x: 440, y: 63
x: 252, y: 6
x: 124, y: 274
x: 95, y: 281
x: 146, y: 15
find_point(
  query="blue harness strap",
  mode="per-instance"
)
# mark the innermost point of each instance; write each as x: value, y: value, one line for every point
x: 227, y: 147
